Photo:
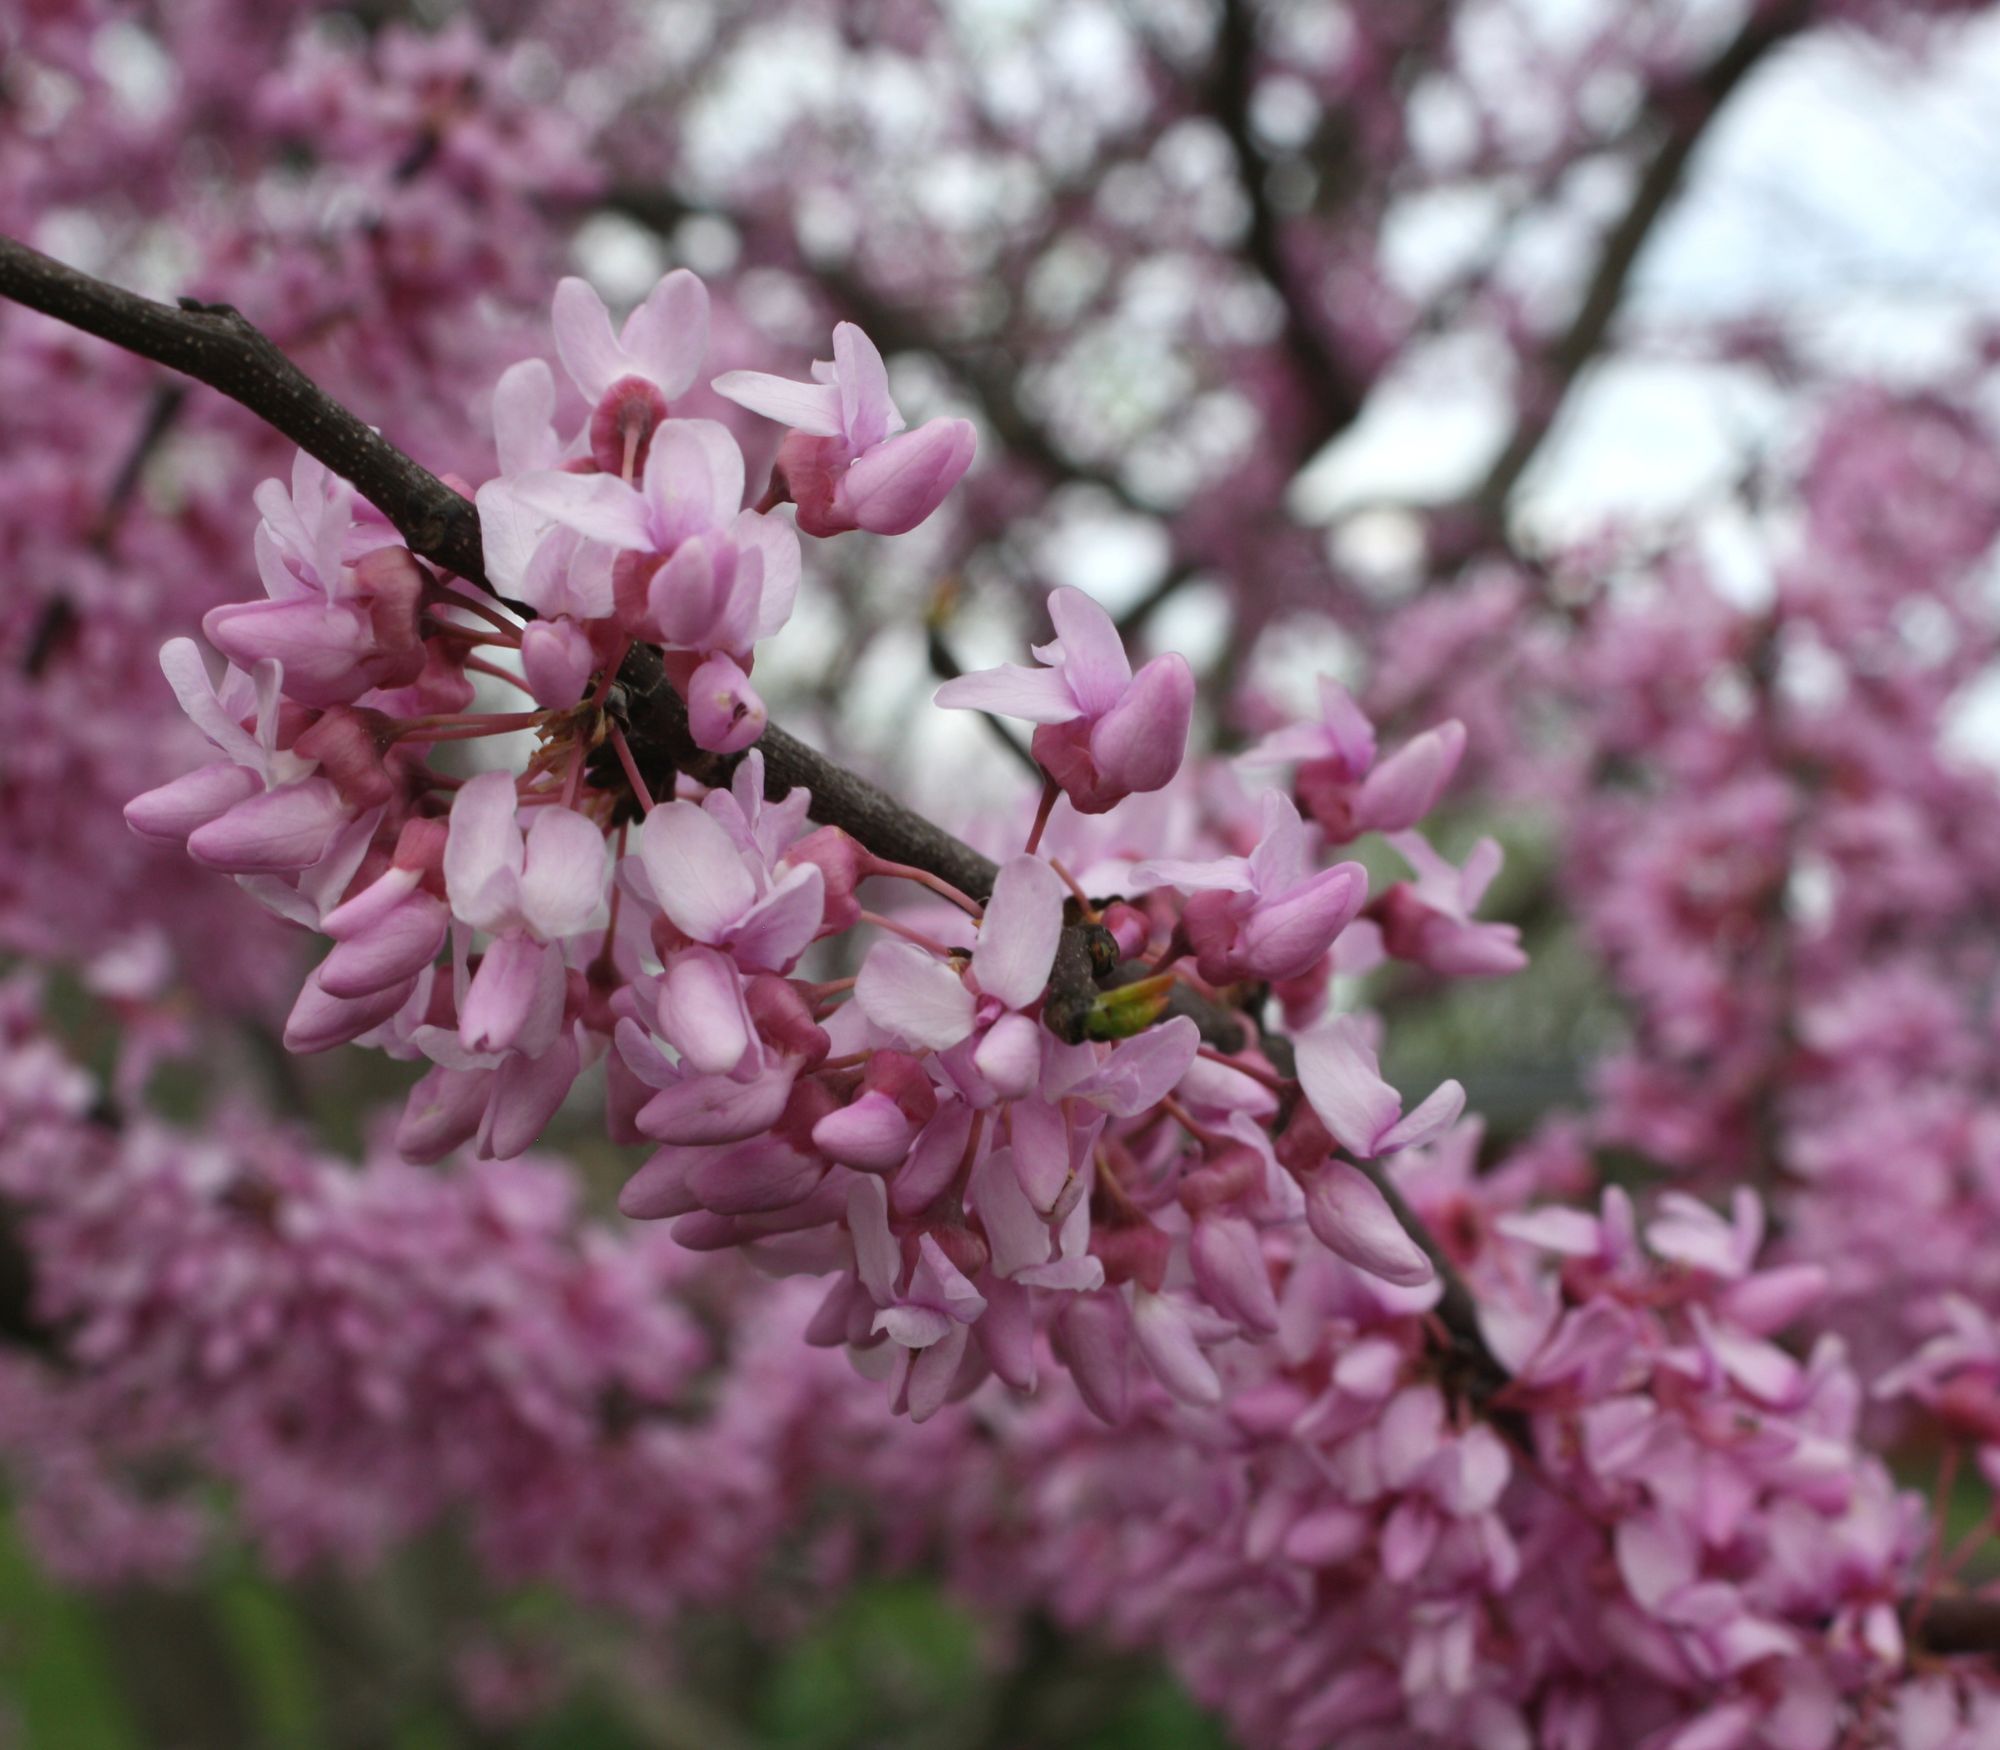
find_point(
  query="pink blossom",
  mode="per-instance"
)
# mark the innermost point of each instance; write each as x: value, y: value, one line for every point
x: 1338, y: 782
x: 848, y: 463
x: 1105, y: 732
x: 1269, y: 915
x: 1430, y: 921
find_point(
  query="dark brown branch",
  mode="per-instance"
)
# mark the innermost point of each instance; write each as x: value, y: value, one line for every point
x: 216, y: 345
x: 662, y: 744
x: 1688, y: 110
x: 1339, y: 391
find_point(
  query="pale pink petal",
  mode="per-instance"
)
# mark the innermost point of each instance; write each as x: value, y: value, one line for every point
x: 872, y: 1134
x: 1093, y: 1334
x: 279, y: 831
x: 1019, y: 933
x: 702, y: 1012
x: 697, y: 872
x: 776, y: 542
x: 1337, y: 1068
x: 694, y: 480
x: 524, y: 411
x: 1143, y: 1070
x: 807, y: 407
x: 715, y: 1108
x: 877, y: 1259
x: 914, y: 995
x: 665, y: 337
x: 1352, y: 1219
x: 557, y: 662
x: 725, y: 713
x: 1231, y: 1272
x: 600, y: 507
x: 195, y: 798
x: 1093, y: 655
x: 778, y: 928
x: 562, y: 881
x: 1015, y: 1231
x: 584, y: 342
x: 504, y: 994
x: 1224, y: 874
x: 187, y: 674
x: 442, y: 1112
x: 483, y: 853
x: 527, y: 1093
x: 1432, y: 1118
x: 394, y: 948
x: 1170, y: 1350
x: 1007, y: 1334
x: 1658, y: 1555
x: 1405, y: 786
x: 867, y: 415
x: 896, y: 484
x: 1035, y: 695
x: 1138, y: 745
x: 1009, y: 1056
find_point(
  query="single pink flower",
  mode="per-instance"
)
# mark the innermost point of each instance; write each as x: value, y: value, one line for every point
x: 1105, y: 732
x: 1269, y: 915
x: 848, y: 463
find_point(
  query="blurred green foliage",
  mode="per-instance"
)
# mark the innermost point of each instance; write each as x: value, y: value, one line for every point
x: 240, y: 1662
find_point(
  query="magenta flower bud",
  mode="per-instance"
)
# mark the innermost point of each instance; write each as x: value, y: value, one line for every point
x: 872, y: 1135
x: 348, y: 745
x: 557, y: 662
x: 1403, y: 788
x: 517, y: 977
x: 1128, y: 927
x: 784, y: 1020
x: 1353, y: 1220
x: 1135, y: 1251
x: 894, y: 486
x: 278, y: 832
x: 1093, y: 1336
x: 1286, y: 935
x: 1168, y: 1344
x: 392, y: 949
x: 755, y: 1176
x: 442, y: 1113
x: 1009, y: 1057
x: 725, y: 715
x: 319, y: 1021
x: 1006, y: 1335
x: 1230, y: 1271
x: 1138, y: 745
x: 843, y: 864
x: 1228, y: 1175
x: 526, y: 1094
x: 175, y: 809
x: 659, y: 1190
x: 702, y: 1012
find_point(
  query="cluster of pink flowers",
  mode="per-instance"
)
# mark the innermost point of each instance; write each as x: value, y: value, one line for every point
x: 361, y: 1351
x: 1565, y: 1464
x: 969, y: 1171
x: 1662, y: 1530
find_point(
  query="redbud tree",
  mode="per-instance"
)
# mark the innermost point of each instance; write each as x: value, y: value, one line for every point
x: 618, y: 938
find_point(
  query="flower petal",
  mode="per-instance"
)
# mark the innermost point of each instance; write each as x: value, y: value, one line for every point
x: 1019, y: 933
x: 914, y: 995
